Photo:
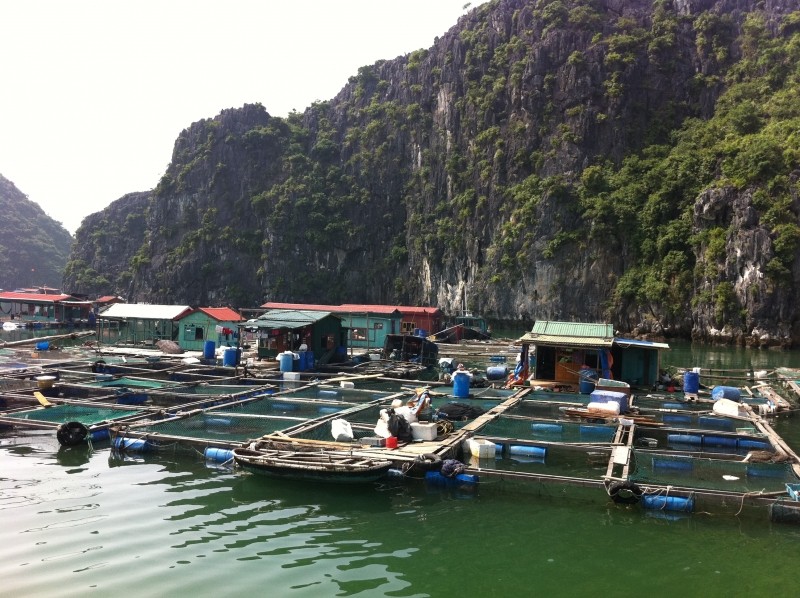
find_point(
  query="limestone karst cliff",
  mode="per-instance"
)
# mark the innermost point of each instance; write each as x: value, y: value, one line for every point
x: 624, y: 161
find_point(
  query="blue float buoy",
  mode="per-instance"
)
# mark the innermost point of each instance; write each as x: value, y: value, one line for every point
x: 673, y: 464
x: 684, y: 439
x: 544, y: 428
x: 719, y: 441
x: 217, y: 454
x: 668, y: 503
x: 527, y: 451
x: 132, y: 444
x: 99, y: 435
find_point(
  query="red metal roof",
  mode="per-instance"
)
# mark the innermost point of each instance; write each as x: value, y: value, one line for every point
x: 40, y: 297
x: 222, y: 314
x: 355, y: 307
x: 300, y: 306
x: 109, y: 299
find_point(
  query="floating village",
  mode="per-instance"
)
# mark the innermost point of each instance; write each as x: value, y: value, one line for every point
x: 361, y: 393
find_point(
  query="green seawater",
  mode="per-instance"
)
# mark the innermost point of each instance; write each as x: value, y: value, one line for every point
x: 78, y: 521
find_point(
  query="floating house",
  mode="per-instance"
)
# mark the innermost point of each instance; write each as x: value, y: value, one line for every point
x: 368, y: 326
x: 419, y: 321
x: 218, y: 324
x: 142, y: 324
x: 569, y: 352
x: 318, y: 334
x: 33, y: 306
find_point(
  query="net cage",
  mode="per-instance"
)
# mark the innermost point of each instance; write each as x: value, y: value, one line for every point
x: 670, y: 469
x: 548, y: 430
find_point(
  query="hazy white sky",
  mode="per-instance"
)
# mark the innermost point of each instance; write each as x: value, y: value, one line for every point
x: 93, y: 93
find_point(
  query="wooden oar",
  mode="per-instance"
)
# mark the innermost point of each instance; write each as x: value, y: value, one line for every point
x: 42, y: 399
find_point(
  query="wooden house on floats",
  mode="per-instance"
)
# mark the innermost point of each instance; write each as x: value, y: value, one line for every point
x: 316, y: 336
x: 140, y: 323
x: 368, y: 326
x: 43, y: 306
x: 218, y: 324
x: 571, y: 353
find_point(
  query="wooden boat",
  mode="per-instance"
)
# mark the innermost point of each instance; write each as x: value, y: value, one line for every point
x: 324, y: 465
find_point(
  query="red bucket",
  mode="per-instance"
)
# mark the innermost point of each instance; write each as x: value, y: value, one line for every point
x: 391, y: 442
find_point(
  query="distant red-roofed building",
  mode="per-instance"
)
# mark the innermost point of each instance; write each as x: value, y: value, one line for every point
x: 45, y: 308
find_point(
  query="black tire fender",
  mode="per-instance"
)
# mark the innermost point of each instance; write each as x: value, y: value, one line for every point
x: 71, y: 433
x: 98, y: 366
x: 428, y: 462
x: 625, y: 493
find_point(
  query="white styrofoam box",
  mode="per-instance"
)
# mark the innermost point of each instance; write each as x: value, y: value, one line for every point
x: 423, y: 431
x: 291, y: 375
x: 346, y: 384
x: 483, y: 449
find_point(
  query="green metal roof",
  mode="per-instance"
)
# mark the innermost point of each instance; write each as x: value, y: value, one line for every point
x: 288, y: 318
x: 569, y: 334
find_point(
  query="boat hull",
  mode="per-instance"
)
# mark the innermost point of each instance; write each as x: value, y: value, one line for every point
x: 318, y: 467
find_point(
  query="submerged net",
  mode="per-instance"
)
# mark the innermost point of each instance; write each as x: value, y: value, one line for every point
x: 552, y: 431
x: 86, y: 415
x: 220, y: 426
x: 709, y: 474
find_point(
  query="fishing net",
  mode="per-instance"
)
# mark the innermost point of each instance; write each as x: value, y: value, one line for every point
x: 567, y: 461
x: 220, y: 426
x: 67, y: 413
x: 708, y: 473
x: 527, y: 429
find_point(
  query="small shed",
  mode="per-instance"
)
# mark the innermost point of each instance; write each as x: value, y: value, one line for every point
x: 141, y: 323
x: 280, y: 330
x: 566, y: 351
x: 218, y: 324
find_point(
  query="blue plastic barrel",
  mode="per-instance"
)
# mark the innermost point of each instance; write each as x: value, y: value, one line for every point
x: 496, y: 372
x: 673, y: 406
x: 668, y: 503
x: 42, y: 346
x: 691, y: 382
x: 230, y: 357
x: 217, y: 454
x: 285, y: 360
x: 675, y: 418
x: 673, y: 464
x: 527, y: 451
x: 684, y: 439
x: 719, y: 423
x: 209, y: 350
x: 753, y: 444
x: 461, y: 382
x: 99, y: 435
x: 460, y: 479
x: 285, y: 406
x: 586, y: 386
x: 498, y: 450
x: 719, y: 441
x: 131, y: 444
x: 544, y: 428
x: 726, y: 392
